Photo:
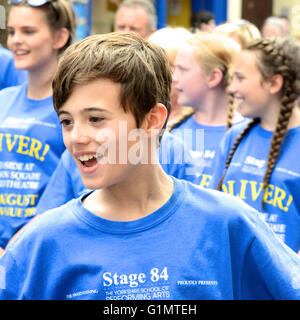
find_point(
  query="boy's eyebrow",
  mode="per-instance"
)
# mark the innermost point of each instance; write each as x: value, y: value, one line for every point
x: 85, y: 110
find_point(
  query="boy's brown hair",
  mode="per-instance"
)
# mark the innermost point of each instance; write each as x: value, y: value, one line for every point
x: 141, y: 68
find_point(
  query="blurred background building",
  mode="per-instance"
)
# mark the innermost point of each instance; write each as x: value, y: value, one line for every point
x: 97, y: 16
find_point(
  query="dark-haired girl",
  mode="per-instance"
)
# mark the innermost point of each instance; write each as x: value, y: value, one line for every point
x: 259, y: 160
x: 30, y: 133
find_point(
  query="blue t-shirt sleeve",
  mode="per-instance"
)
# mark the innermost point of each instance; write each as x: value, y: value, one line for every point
x: 263, y: 267
x: 64, y: 185
x: 176, y: 159
x: 59, y: 189
x: 10, y: 274
x: 267, y: 272
x: 10, y: 76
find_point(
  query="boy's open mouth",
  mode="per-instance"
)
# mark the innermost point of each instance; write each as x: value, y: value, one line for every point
x: 88, y: 160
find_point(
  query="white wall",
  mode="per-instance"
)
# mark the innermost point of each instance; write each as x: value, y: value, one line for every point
x: 234, y: 9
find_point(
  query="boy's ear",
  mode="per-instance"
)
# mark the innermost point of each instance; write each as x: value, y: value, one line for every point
x: 214, y: 78
x: 61, y: 37
x: 276, y: 83
x: 156, y: 118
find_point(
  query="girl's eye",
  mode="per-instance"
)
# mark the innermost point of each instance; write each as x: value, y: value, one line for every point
x: 29, y: 31
x: 11, y: 32
x: 238, y: 77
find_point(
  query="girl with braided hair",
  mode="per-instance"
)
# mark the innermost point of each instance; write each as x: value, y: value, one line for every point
x: 262, y: 165
x: 202, y: 74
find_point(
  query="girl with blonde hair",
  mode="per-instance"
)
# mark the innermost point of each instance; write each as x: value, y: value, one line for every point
x: 202, y: 75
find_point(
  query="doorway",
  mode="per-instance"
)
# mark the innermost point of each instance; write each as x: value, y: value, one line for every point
x: 256, y: 11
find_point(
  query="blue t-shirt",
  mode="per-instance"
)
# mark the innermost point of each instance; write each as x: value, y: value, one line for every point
x: 9, y: 75
x: 201, y: 244
x: 66, y: 183
x: 244, y: 178
x: 30, y: 147
x: 204, y: 142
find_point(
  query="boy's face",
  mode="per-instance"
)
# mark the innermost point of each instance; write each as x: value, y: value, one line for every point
x: 99, y: 134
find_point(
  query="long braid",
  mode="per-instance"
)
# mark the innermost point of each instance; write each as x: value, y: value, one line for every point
x: 230, y: 111
x: 234, y: 147
x: 276, y: 141
x: 186, y: 113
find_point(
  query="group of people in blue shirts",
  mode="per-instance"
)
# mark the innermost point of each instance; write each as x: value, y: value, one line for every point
x: 72, y: 228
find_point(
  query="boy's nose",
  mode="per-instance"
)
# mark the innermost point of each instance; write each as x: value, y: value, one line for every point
x: 79, y: 135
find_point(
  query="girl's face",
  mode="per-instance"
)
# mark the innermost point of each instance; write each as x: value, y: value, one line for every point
x: 96, y: 131
x: 30, y: 38
x: 251, y: 92
x: 189, y: 79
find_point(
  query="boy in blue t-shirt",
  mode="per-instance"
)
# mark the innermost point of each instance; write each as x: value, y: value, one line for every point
x: 141, y: 234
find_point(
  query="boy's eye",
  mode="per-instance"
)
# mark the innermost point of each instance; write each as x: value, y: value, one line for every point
x: 95, y: 119
x: 65, y: 122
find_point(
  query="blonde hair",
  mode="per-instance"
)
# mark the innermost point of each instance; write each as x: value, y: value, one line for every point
x: 241, y: 30
x: 171, y: 39
x: 214, y: 51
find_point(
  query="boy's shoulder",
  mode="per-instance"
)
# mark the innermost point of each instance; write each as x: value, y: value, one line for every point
x: 214, y: 204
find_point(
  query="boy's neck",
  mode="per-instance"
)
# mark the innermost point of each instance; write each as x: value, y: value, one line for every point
x: 133, y: 198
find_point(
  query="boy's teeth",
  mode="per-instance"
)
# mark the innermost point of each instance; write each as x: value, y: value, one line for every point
x: 86, y: 157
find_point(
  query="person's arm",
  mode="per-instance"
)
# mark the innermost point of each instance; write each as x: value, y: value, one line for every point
x: 270, y: 269
x: 11, y: 278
